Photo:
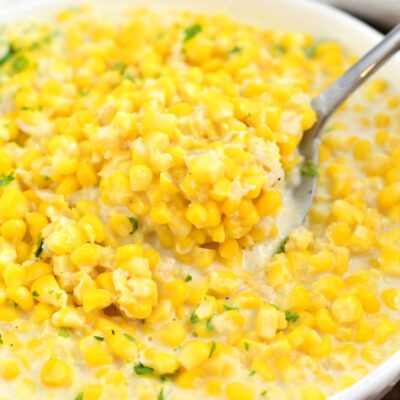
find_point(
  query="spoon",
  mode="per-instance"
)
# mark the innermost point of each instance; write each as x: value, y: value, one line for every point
x: 326, y: 103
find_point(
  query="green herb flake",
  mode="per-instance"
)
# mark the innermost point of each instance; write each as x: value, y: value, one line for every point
x: 281, y: 248
x: 35, y: 293
x: 130, y: 337
x: 63, y: 332
x: 247, y: 346
x: 9, y: 54
x: 233, y: 51
x: 230, y: 308
x: 212, y: 349
x: 191, y: 32
x: 84, y: 92
x: 141, y: 369
x: 311, y: 51
x: 120, y: 67
x: 291, y: 316
x: 194, y: 319
x: 15, y: 305
x: 188, y: 278
x: 263, y: 393
x: 5, y: 180
x: 79, y: 396
x: 135, y: 225
x: 39, y: 247
x: 161, y: 395
x: 1, y: 339
x: 164, y: 378
x: 99, y: 338
x: 280, y: 48
x: 252, y: 373
x: 20, y: 63
x: 309, y: 169
x: 209, y: 325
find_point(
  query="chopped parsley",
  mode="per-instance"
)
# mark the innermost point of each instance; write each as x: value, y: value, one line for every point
x: 130, y: 337
x: 233, y: 51
x: 263, y: 393
x: 280, y: 48
x: 84, y: 92
x: 246, y: 346
x: 309, y: 169
x: 311, y: 51
x: 161, y: 395
x: 188, y: 278
x: 191, y: 32
x: 63, y: 332
x: 5, y: 180
x: 209, y: 325
x: 1, y: 339
x: 194, y: 319
x: 252, y: 373
x: 229, y: 308
x: 291, y: 316
x: 281, y: 248
x: 99, y: 338
x: 79, y: 396
x: 39, y: 247
x: 20, y: 63
x: 35, y: 293
x: 135, y: 225
x: 15, y: 304
x: 141, y: 369
x: 212, y: 349
x: 120, y: 67
x: 8, y: 55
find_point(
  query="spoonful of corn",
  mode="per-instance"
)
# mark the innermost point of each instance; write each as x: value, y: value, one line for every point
x: 325, y: 105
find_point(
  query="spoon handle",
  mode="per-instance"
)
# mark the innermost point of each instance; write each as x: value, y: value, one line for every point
x: 330, y: 99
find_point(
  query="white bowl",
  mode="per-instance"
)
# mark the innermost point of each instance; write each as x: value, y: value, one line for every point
x: 293, y: 15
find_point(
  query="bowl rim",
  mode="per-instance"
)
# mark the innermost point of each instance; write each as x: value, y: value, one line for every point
x: 382, y: 378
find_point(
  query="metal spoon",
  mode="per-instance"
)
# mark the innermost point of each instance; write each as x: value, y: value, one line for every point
x: 327, y: 102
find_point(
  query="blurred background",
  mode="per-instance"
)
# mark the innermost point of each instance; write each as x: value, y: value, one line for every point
x: 383, y: 14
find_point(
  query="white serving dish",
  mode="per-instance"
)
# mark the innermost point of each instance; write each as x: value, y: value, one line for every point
x: 295, y: 15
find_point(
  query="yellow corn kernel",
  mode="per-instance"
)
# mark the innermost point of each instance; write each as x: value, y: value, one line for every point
x: 105, y: 281
x: 56, y: 373
x: 189, y: 379
x: 389, y: 196
x: 85, y: 256
x: 268, y: 203
x: 264, y: 369
x: 67, y: 317
x: 13, y: 204
x: 239, y: 391
x: 324, y: 321
x: 391, y: 297
x: 162, y: 362
x: 312, y: 392
x: 247, y: 300
x: 36, y: 270
x: 94, y: 352
x: 171, y: 334
x: 268, y: 321
x: 340, y: 233
x: 223, y: 283
x: 14, y: 275
x: 160, y: 214
x: 362, y: 149
x: 42, y: 312
x: 9, y: 369
x: 175, y: 291
x: 47, y: 290
x: 298, y: 299
x: 347, y: 308
x: 140, y: 176
x: 372, y: 354
x: 206, y: 168
x: 122, y: 345
x: 213, y: 387
x: 230, y: 250
x: 36, y: 222
x: 86, y: 174
x: 92, y: 392
x: 193, y: 354
x: 93, y: 227
x: 95, y: 299
x: 322, y: 261
x: 21, y: 296
x: 196, y: 213
x: 13, y: 230
x: 330, y: 286
x: 368, y: 300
